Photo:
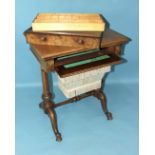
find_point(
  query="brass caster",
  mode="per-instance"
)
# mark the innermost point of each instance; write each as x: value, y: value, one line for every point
x: 109, y: 115
x: 58, y: 137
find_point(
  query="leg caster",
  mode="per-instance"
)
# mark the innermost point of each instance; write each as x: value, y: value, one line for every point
x: 58, y: 137
x: 109, y: 115
x: 101, y: 96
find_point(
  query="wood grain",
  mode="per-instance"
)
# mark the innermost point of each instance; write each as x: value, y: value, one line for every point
x: 63, y: 40
x: 112, y: 38
x: 68, y: 22
x: 48, y: 52
x: 45, y: 51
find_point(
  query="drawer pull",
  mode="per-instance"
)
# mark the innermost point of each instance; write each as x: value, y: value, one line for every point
x: 81, y: 41
x: 43, y: 38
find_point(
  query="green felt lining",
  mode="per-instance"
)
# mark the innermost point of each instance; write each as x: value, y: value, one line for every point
x: 75, y: 64
x: 77, y: 54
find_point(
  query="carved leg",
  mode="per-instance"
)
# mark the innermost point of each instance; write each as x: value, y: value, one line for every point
x: 52, y: 115
x: 101, y: 96
x: 48, y: 105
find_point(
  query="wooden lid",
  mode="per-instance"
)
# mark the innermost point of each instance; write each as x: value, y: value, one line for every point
x: 68, y: 22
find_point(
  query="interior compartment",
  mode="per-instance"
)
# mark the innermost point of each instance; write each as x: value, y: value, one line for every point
x: 85, y: 61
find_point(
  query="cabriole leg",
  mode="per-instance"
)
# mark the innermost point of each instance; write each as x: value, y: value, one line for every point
x: 101, y: 96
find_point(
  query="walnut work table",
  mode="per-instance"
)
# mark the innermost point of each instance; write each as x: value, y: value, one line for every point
x: 49, y: 46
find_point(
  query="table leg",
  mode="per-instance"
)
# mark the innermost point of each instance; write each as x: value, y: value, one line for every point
x: 48, y: 105
x: 101, y: 96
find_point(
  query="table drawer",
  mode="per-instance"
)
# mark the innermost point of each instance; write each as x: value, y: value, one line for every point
x: 85, y: 62
x: 63, y: 40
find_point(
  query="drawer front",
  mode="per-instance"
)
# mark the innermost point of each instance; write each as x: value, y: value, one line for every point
x: 63, y: 40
